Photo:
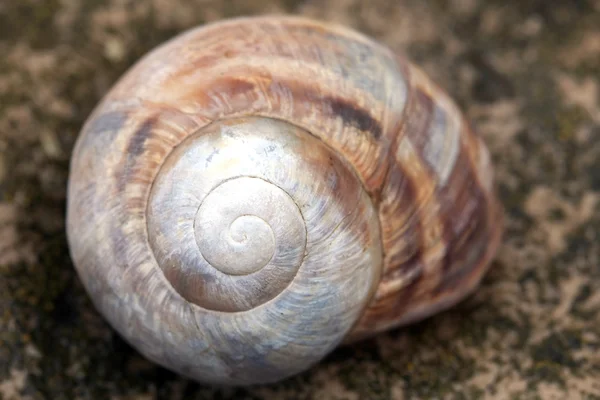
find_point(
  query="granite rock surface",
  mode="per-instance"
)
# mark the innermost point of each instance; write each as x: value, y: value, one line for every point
x: 527, y: 74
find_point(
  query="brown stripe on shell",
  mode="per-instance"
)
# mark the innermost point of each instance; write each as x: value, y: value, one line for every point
x: 401, y: 237
x: 438, y: 145
x: 469, y: 230
x: 471, y: 233
x: 411, y: 230
x: 157, y: 132
x: 353, y: 114
x: 403, y: 232
x: 436, y: 148
x: 385, y: 310
x: 452, y: 209
x: 350, y: 126
x: 350, y: 112
x: 475, y: 214
x: 138, y: 139
x: 463, y: 201
x: 451, y: 160
x: 417, y: 123
x: 134, y: 148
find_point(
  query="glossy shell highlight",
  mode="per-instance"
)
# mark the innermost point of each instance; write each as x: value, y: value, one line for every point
x: 257, y: 191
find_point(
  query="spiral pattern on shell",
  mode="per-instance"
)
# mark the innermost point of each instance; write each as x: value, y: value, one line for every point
x: 236, y: 210
x: 256, y: 191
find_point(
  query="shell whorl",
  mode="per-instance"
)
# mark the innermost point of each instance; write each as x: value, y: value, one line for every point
x: 238, y: 221
x: 256, y: 191
x: 242, y: 212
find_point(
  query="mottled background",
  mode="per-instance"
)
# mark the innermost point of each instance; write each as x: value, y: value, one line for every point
x: 526, y: 73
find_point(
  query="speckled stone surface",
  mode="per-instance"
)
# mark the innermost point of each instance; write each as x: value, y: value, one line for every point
x: 526, y: 73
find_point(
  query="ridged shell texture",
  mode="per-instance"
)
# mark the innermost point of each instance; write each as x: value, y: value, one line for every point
x: 255, y: 192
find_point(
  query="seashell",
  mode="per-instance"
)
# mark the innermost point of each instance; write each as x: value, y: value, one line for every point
x: 258, y: 191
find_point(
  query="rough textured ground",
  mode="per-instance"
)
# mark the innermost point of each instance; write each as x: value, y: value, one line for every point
x: 527, y: 74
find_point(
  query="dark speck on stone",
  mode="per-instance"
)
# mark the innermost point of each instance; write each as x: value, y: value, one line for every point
x: 490, y: 85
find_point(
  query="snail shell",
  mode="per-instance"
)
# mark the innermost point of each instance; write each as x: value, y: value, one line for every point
x: 257, y: 191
